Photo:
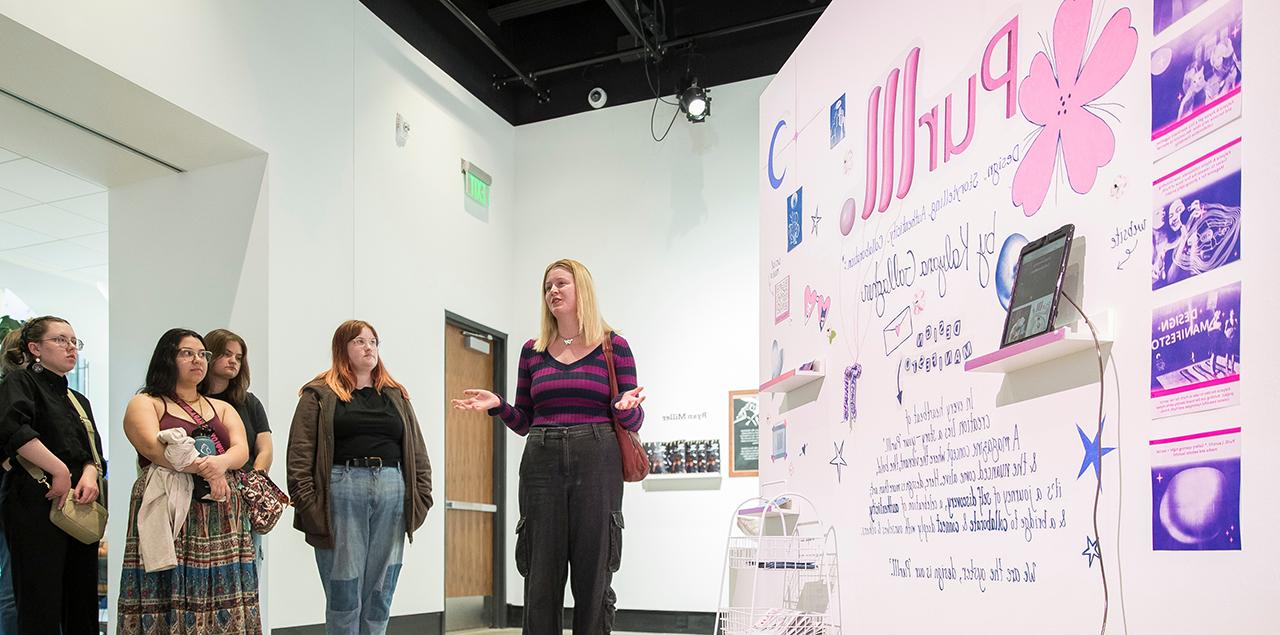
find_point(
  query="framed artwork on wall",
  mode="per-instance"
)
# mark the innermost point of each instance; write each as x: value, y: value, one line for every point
x: 744, y: 433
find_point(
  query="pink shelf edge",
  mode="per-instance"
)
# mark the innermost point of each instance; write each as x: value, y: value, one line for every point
x: 1017, y: 349
x: 777, y: 380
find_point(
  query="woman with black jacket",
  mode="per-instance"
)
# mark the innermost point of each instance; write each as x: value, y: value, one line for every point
x: 50, y: 426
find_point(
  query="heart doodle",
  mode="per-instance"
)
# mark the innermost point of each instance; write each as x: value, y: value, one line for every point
x: 812, y: 300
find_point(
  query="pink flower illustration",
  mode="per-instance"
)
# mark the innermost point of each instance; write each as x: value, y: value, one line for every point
x: 1059, y: 101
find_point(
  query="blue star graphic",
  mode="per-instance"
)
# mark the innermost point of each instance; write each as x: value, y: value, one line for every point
x: 1093, y: 451
x: 838, y: 461
x: 1091, y: 549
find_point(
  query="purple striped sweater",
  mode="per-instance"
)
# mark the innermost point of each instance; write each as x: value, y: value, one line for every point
x: 551, y: 393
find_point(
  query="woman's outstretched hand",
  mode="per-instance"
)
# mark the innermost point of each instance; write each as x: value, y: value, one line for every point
x: 477, y: 399
x: 630, y: 399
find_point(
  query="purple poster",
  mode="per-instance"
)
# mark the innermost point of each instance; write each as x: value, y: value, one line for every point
x: 1195, y: 226
x: 1196, y: 78
x: 837, y: 120
x: 1195, y: 492
x: 795, y: 204
x: 1169, y: 11
x: 1195, y: 353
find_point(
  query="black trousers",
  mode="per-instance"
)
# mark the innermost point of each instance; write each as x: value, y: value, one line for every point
x: 55, y: 576
x: 570, y: 527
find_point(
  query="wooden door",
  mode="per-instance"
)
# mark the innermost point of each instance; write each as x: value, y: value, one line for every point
x: 469, y: 453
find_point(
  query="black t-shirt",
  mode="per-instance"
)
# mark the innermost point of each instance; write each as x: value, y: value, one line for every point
x: 254, y: 417
x: 34, y: 405
x: 367, y: 426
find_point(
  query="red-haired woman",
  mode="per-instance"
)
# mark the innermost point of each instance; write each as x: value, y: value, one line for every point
x: 359, y: 477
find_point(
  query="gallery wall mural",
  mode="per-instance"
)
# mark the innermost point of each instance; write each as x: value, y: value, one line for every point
x: 908, y: 152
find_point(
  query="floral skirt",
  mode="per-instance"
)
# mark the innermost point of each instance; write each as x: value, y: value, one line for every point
x: 214, y: 588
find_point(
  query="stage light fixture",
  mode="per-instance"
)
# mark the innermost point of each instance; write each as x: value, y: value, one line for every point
x: 695, y: 102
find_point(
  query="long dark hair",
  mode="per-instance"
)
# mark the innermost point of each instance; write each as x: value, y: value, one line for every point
x: 162, y: 372
x: 237, y: 389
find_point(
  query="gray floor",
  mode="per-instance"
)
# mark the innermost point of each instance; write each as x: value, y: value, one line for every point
x: 516, y: 631
x: 466, y: 612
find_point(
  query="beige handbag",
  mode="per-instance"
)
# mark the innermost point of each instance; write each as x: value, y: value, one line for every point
x: 84, y: 522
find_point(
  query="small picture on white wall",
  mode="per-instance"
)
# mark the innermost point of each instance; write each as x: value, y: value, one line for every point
x: 1195, y: 492
x: 1195, y: 353
x: 1195, y: 227
x: 779, y: 441
x: 1169, y: 11
x: 782, y: 300
x: 837, y: 120
x: 744, y: 433
x: 795, y: 205
x: 1197, y: 77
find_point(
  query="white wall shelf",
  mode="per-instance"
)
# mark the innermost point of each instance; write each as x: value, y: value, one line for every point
x: 792, y: 379
x: 688, y: 476
x: 688, y: 481
x: 1056, y: 344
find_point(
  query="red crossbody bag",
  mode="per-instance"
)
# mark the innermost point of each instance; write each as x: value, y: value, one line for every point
x: 635, y: 461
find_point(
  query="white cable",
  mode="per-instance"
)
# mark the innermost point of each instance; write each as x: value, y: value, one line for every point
x: 1124, y: 613
x: 1097, y: 494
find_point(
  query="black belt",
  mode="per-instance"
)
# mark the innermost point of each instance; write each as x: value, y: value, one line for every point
x: 369, y: 461
x: 576, y: 430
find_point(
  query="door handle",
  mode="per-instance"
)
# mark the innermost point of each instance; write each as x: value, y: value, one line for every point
x: 467, y: 506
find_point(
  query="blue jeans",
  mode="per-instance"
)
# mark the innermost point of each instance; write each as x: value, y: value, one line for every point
x: 8, y: 605
x: 366, y: 508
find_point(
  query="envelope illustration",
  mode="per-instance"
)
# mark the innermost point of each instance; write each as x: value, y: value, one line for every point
x: 897, y: 331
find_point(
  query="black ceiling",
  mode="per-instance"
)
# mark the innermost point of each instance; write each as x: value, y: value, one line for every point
x: 564, y: 48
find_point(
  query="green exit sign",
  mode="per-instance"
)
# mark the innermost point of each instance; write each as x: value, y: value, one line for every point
x: 476, y: 183
x: 477, y: 190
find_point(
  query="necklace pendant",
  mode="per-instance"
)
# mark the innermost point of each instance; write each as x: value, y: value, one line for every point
x: 567, y: 340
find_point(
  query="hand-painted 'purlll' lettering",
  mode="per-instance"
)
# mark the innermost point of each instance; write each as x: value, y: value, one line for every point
x: 882, y: 131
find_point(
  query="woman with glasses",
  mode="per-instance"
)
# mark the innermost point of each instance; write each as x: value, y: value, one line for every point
x: 359, y: 478
x: 49, y: 427
x: 211, y: 583
x: 8, y: 607
x: 571, y: 471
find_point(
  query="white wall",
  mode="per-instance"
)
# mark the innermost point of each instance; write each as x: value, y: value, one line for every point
x: 669, y: 233
x: 316, y: 86
x: 417, y: 253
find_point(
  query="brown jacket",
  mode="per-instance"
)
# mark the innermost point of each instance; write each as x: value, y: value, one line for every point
x: 310, y: 459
